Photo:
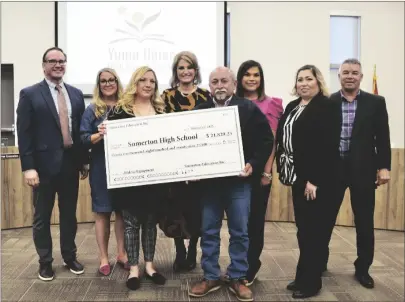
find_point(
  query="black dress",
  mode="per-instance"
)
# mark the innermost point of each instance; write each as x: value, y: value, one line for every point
x: 139, y: 201
x: 184, y: 205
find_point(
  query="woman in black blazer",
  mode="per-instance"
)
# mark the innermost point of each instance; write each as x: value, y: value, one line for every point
x: 305, y: 160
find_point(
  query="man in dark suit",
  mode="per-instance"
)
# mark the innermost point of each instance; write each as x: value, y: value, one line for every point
x: 365, y: 152
x: 231, y: 194
x: 48, y: 123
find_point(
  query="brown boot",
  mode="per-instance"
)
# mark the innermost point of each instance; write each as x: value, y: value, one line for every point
x: 240, y: 290
x: 204, y: 287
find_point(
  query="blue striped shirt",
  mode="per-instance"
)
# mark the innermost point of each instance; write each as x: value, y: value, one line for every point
x: 348, y: 115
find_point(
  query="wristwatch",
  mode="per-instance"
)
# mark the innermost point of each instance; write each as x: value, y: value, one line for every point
x: 267, y: 175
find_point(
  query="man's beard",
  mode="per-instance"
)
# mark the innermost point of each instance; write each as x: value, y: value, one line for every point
x: 221, y: 96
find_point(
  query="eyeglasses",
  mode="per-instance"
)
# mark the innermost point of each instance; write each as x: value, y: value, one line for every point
x: 108, y: 82
x: 54, y: 62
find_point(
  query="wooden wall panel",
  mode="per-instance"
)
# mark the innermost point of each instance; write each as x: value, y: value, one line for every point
x: 17, y: 208
x: 395, y: 196
x: 389, y: 206
x: 345, y: 216
x: 16, y: 198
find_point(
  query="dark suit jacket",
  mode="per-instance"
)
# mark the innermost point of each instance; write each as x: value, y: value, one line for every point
x: 370, y: 146
x: 40, y: 139
x: 315, y: 153
x: 257, y: 138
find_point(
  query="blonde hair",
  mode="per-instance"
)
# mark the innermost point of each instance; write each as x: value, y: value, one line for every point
x: 99, y: 104
x: 127, y: 100
x: 319, y: 79
x: 190, y: 58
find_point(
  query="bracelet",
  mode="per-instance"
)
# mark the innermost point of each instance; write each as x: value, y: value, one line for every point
x: 267, y: 175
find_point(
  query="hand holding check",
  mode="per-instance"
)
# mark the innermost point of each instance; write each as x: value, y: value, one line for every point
x: 210, y: 147
x: 247, y: 171
x: 102, y: 129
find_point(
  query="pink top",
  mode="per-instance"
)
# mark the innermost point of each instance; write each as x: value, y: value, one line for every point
x: 272, y: 108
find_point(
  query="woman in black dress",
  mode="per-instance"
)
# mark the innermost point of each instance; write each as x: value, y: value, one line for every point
x: 140, y: 204
x: 306, y: 160
x: 184, y: 95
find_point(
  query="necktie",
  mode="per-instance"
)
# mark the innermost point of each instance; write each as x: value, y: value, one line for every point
x: 63, y: 117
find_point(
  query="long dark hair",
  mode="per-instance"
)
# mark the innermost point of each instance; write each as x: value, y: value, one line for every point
x: 244, y: 67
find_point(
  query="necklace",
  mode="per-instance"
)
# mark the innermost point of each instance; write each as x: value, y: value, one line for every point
x: 186, y: 94
x: 108, y: 111
x: 151, y: 111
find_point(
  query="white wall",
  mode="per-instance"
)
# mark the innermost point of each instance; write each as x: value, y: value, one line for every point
x: 286, y: 36
x: 27, y: 30
x: 281, y: 36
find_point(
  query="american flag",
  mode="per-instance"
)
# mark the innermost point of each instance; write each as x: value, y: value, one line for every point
x: 375, y: 88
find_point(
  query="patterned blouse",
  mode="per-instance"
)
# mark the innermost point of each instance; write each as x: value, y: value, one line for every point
x: 287, y: 173
x: 176, y: 101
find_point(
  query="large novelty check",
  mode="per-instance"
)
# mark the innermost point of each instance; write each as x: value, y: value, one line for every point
x: 173, y: 147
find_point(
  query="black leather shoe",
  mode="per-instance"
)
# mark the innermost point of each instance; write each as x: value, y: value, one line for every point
x: 191, y: 261
x: 45, y: 272
x: 189, y: 265
x: 133, y: 283
x: 365, y: 280
x: 74, y: 266
x: 179, y: 265
x: 156, y: 278
x: 292, y: 286
x: 299, y: 294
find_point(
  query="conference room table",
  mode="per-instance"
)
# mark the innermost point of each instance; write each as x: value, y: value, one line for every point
x: 17, y: 206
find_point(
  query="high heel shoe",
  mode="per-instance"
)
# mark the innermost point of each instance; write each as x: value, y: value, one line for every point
x: 105, y: 270
x: 124, y: 265
x: 190, y: 265
x: 191, y: 261
x: 179, y: 263
x: 292, y: 286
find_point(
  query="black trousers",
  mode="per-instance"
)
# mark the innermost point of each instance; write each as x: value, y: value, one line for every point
x: 258, y: 207
x: 309, y: 219
x: 66, y: 184
x: 362, y: 198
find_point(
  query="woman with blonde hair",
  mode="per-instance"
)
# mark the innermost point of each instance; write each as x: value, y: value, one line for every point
x: 106, y: 93
x: 306, y: 157
x: 140, y: 204
x: 184, y: 95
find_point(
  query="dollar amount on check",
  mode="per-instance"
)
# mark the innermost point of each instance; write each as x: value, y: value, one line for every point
x: 173, y: 147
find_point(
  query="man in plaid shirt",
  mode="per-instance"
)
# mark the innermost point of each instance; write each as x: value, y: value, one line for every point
x: 363, y: 136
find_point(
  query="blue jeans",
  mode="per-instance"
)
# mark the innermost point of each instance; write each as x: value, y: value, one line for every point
x: 232, y: 196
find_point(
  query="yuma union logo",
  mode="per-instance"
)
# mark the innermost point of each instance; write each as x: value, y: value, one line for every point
x: 135, y: 27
